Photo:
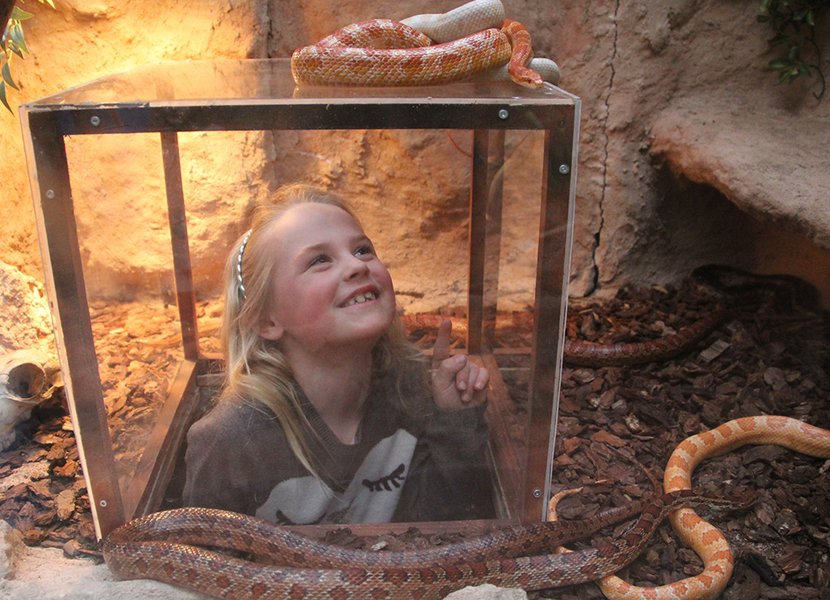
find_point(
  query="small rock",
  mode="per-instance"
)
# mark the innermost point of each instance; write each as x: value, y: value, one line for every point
x: 11, y: 546
x: 65, y: 503
x: 487, y: 592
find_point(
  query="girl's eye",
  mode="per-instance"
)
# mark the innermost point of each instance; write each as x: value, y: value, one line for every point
x: 318, y: 260
x: 364, y: 250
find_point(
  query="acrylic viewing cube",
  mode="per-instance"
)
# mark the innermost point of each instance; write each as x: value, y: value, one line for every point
x: 147, y: 366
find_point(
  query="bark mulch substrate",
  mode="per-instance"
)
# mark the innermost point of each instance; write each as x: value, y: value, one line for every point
x: 771, y: 357
x: 49, y: 504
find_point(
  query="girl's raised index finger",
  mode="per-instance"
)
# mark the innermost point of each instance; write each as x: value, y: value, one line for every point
x: 441, y: 349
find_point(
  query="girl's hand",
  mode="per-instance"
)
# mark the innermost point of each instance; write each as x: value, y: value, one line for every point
x: 457, y: 382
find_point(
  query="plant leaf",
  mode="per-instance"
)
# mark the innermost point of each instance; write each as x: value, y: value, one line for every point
x: 15, y: 35
x: 780, y: 64
x: 3, y: 97
x: 18, y: 14
x: 7, y: 76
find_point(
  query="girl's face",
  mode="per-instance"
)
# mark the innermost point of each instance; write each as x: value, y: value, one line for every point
x: 329, y: 290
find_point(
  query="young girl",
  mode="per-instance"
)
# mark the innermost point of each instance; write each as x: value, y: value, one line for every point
x: 328, y: 413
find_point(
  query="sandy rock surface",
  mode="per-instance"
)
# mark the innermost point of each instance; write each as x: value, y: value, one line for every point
x: 45, y: 574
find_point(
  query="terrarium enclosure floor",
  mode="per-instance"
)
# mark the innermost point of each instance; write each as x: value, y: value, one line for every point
x: 614, y: 423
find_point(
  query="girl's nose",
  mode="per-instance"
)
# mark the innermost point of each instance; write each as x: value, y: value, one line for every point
x: 356, y: 267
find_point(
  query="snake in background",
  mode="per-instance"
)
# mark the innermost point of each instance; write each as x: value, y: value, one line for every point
x: 735, y: 292
x: 425, y: 50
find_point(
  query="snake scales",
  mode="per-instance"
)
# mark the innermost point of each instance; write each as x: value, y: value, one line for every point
x: 424, y: 50
x: 168, y: 546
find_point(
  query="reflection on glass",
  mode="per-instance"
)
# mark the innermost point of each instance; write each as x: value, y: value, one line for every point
x: 126, y: 256
x: 329, y: 414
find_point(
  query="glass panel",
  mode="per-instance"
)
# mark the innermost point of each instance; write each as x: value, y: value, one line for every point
x: 520, y: 181
x: 270, y: 80
x: 124, y: 240
x: 411, y: 216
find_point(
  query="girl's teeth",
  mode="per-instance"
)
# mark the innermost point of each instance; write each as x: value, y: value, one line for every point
x: 360, y: 299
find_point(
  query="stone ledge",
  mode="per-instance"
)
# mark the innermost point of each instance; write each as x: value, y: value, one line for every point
x: 769, y: 163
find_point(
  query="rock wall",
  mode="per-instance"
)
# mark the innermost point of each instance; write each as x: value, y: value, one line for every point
x: 636, y: 221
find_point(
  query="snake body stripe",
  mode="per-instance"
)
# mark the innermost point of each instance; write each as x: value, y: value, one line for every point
x: 130, y: 556
x: 202, y: 527
x: 378, y: 34
x: 336, y: 65
x: 591, y: 354
x: 705, y: 539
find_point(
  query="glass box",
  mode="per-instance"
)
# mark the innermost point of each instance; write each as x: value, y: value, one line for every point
x: 142, y: 365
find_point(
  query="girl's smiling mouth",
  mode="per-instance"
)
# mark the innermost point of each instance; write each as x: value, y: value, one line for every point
x: 360, y: 298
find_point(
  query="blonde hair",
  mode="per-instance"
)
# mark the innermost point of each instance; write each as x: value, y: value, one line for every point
x: 257, y: 371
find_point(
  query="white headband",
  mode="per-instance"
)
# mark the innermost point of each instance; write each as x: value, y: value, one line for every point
x: 239, y: 263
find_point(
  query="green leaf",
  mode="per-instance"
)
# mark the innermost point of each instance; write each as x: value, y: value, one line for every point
x: 779, y: 64
x: 3, y: 97
x: 18, y: 14
x: 15, y: 36
x: 7, y: 76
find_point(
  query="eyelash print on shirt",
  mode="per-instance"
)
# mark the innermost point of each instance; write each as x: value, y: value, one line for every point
x: 387, y: 482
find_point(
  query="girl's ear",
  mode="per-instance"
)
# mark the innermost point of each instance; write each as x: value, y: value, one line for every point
x: 269, y: 329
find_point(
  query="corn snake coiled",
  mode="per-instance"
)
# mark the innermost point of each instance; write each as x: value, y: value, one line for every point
x: 471, y: 39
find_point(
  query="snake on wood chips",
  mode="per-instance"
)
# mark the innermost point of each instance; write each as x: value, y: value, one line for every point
x: 707, y: 542
x: 584, y: 353
x: 593, y: 354
x: 167, y: 546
